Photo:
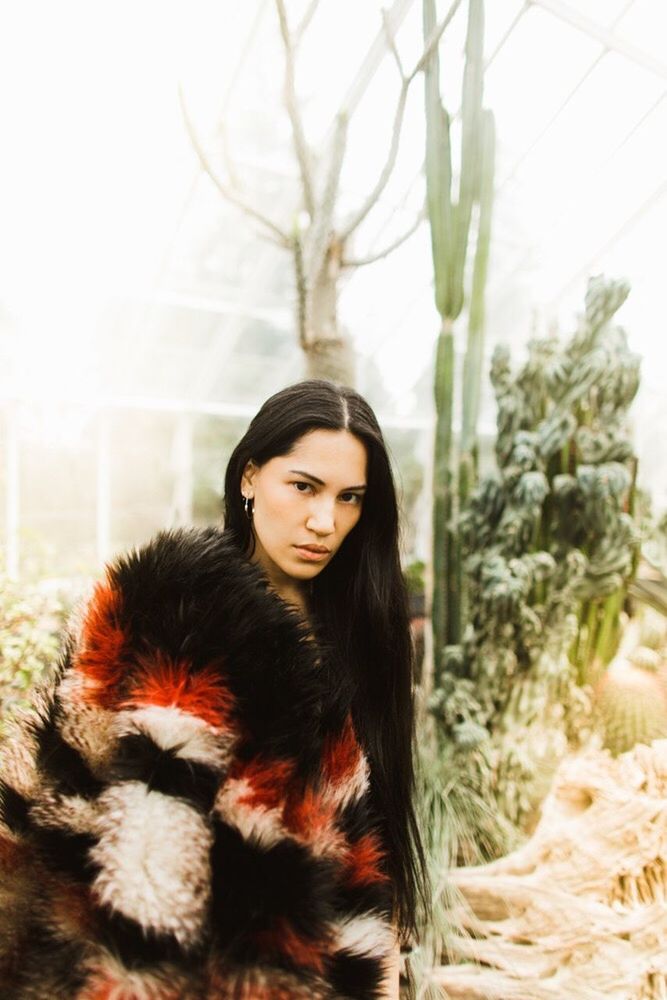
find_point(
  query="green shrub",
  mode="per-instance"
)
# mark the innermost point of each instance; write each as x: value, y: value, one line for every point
x: 32, y: 617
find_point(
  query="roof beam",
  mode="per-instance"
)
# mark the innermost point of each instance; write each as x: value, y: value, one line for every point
x: 609, y: 39
x: 592, y: 262
x: 173, y: 405
x: 376, y: 53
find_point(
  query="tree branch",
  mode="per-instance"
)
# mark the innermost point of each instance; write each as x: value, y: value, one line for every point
x: 277, y: 233
x: 434, y: 39
x: 305, y: 21
x: 301, y: 291
x: 406, y: 80
x: 361, y: 261
x: 391, y: 42
x: 322, y: 226
x: 388, y: 168
x: 298, y: 135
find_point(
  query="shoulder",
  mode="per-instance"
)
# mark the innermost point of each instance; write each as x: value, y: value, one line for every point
x: 176, y: 577
x: 189, y: 596
x: 174, y: 555
x: 185, y: 595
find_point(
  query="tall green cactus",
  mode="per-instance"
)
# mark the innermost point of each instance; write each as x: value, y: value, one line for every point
x: 450, y: 223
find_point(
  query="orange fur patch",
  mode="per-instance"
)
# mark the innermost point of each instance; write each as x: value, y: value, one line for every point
x: 307, y: 815
x: 268, y: 779
x: 363, y: 861
x: 283, y: 938
x: 340, y: 754
x: 103, y: 640
x: 167, y: 682
x: 98, y: 989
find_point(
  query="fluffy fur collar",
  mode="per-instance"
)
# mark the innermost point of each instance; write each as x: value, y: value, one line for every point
x: 190, y: 815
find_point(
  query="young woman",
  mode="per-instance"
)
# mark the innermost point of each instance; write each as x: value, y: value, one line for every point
x: 214, y: 798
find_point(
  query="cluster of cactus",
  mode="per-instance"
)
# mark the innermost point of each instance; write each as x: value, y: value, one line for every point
x: 550, y: 545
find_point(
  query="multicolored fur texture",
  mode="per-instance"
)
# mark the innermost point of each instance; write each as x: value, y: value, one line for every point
x: 189, y: 815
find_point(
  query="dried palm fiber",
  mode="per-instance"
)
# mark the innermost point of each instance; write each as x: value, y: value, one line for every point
x: 580, y: 910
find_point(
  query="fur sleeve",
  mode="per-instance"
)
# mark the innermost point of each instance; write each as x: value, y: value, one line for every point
x: 106, y: 792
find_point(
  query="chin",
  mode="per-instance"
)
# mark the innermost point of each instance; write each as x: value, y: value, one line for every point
x: 304, y: 571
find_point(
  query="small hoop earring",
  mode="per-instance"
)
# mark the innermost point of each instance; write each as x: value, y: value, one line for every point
x: 246, y: 504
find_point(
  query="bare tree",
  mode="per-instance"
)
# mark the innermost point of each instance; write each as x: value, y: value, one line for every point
x: 319, y: 246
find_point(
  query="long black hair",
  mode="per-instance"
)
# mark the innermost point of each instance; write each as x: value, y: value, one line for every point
x: 360, y: 603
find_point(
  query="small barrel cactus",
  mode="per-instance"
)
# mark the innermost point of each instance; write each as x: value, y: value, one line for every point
x: 631, y: 705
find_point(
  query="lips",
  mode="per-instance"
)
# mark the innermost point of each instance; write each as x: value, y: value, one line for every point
x: 313, y: 548
x: 311, y: 555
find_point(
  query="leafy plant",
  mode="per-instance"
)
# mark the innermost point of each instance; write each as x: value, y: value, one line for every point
x: 30, y: 627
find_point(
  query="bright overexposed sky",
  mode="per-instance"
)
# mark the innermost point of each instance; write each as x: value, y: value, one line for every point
x: 96, y: 165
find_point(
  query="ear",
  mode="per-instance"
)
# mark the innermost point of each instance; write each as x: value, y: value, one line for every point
x: 247, y: 485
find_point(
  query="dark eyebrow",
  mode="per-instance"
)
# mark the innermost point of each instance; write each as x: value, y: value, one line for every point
x: 307, y: 475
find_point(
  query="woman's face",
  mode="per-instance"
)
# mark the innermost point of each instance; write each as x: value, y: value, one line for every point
x: 312, y: 496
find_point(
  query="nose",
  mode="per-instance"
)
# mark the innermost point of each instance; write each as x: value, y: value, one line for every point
x: 321, y: 519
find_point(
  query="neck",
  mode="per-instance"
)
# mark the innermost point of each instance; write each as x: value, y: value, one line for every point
x: 294, y: 592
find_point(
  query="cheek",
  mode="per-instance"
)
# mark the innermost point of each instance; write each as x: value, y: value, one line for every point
x: 279, y: 497
x: 352, y: 518
x: 285, y: 508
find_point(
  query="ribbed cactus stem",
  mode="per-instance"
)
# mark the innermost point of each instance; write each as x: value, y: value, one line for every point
x: 438, y: 173
x: 442, y: 488
x: 471, y: 110
x: 608, y: 634
x: 472, y: 372
x: 590, y: 622
x: 450, y: 231
x: 474, y: 357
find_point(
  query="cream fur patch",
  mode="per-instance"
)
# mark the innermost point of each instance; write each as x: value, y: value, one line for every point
x: 367, y: 935
x: 153, y: 852
x: 88, y: 728
x: 76, y: 814
x: 17, y: 759
x: 172, y: 728
x: 253, y: 822
x: 327, y: 842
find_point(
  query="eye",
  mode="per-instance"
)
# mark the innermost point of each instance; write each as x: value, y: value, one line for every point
x: 356, y: 497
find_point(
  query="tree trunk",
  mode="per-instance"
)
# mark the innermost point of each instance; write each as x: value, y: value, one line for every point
x: 329, y: 350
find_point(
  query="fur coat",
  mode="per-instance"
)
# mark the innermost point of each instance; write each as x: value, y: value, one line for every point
x: 187, y: 812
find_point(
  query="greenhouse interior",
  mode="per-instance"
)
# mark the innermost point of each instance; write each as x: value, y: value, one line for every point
x: 455, y: 209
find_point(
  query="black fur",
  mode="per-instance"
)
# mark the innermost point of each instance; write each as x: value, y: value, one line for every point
x: 64, y: 766
x: 13, y: 809
x: 139, y: 758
